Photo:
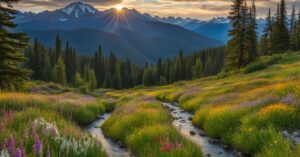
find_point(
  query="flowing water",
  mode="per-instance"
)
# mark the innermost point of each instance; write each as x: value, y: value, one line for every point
x: 112, y: 148
x: 182, y: 121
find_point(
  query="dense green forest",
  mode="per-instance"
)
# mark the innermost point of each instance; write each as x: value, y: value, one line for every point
x: 66, y: 67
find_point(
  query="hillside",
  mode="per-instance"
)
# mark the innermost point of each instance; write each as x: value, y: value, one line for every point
x: 255, y: 113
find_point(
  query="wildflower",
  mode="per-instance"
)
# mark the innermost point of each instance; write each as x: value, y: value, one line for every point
x: 179, y: 144
x: 38, y: 146
x: 167, y: 147
x: 4, y: 144
x: 18, y: 153
x: 12, y: 145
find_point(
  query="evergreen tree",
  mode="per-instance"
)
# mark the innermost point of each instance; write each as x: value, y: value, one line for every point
x: 78, y: 80
x: 280, y: 38
x: 11, y: 73
x: 59, y: 72
x: 57, y: 47
x: 198, y: 68
x: 251, y: 36
x: 235, y: 49
x: 294, y: 31
x: 264, y: 44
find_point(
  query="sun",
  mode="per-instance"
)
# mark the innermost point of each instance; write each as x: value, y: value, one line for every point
x: 119, y: 7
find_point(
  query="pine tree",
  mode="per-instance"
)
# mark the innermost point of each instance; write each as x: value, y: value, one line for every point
x: 251, y: 36
x: 293, y: 30
x: 59, y: 72
x: 264, y: 44
x: 198, y: 68
x: 235, y: 49
x: 11, y: 73
x: 78, y: 80
x: 57, y: 47
x: 280, y: 38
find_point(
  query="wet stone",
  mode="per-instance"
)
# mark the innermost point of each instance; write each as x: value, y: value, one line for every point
x: 202, y: 134
x: 192, y: 133
x: 208, y: 155
x: 220, y: 153
x: 226, y: 147
x: 213, y: 141
x: 191, y: 118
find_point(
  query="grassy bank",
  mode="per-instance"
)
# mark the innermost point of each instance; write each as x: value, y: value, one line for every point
x: 249, y: 110
x: 145, y: 127
x: 47, y: 125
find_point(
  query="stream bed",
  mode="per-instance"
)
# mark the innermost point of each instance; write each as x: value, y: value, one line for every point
x: 112, y: 148
x: 182, y: 121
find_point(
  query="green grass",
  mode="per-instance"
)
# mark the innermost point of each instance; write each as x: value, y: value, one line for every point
x: 145, y: 127
x: 49, y: 121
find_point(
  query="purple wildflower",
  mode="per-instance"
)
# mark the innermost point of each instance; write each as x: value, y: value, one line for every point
x: 38, y: 146
x: 18, y: 153
x: 12, y: 145
x: 4, y: 144
x: 53, y: 131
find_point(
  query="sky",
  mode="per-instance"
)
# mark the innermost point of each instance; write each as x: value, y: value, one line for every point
x: 199, y: 9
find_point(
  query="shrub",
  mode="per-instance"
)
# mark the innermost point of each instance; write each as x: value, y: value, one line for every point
x: 274, y: 59
x: 222, y: 122
x: 255, y: 66
x: 277, y: 147
x: 161, y: 141
x: 280, y: 116
x: 251, y: 140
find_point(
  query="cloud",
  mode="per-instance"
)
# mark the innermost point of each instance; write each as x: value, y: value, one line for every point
x: 202, y: 9
x: 61, y: 3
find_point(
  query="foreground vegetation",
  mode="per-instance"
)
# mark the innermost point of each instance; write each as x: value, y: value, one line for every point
x: 145, y: 127
x: 252, y: 110
x: 47, y: 125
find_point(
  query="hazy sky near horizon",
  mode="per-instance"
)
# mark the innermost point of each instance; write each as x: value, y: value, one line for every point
x: 200, y: 9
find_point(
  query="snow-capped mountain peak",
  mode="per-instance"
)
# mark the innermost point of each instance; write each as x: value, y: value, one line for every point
x: 79, y: 8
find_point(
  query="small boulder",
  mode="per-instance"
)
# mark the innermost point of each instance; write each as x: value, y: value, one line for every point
x: 192, y: 133
x: 202, y: 134
x: 208, y: 155
x: 286, y: 134
x: 191, y: 118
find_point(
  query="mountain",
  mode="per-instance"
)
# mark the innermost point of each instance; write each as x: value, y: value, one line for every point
x: 216, y: 28
x: 127, y: 33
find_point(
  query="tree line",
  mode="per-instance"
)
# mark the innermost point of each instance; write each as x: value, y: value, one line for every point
x: 279, y: 35
x: 66, y: 67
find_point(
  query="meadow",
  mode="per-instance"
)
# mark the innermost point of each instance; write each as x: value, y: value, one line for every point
x: 48, y: 125
x: 255, y: 110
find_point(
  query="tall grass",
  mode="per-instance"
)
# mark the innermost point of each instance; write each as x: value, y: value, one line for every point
x: 145, y: 127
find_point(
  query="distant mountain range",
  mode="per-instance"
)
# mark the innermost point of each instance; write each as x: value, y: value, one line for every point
x: 139, y: 37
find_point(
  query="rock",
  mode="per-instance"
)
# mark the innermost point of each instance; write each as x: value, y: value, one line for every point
x: 121, y: 145
x: 286, y: 134
x: 192, y: 133
x: 208, y: 155
x: 202, y: 134
x: 191, y: 118
x: 296, y: 133
x: 175, y: 112
x: 296, y: 140
x: 182, y: 111
x: 100, y: 117
x: 182, y: 121
x: 220, y: 153
x: 226, y: 147
x: 179, y: 117
x: 97, y: 127
x: 213, y: 141
x: 239, y: 154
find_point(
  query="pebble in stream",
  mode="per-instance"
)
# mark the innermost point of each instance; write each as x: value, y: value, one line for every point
x: 112, y: 148
x: 182, y: 121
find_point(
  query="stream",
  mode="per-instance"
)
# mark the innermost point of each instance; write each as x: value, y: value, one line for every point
x: 112, y: 148
x: 182, y: 121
